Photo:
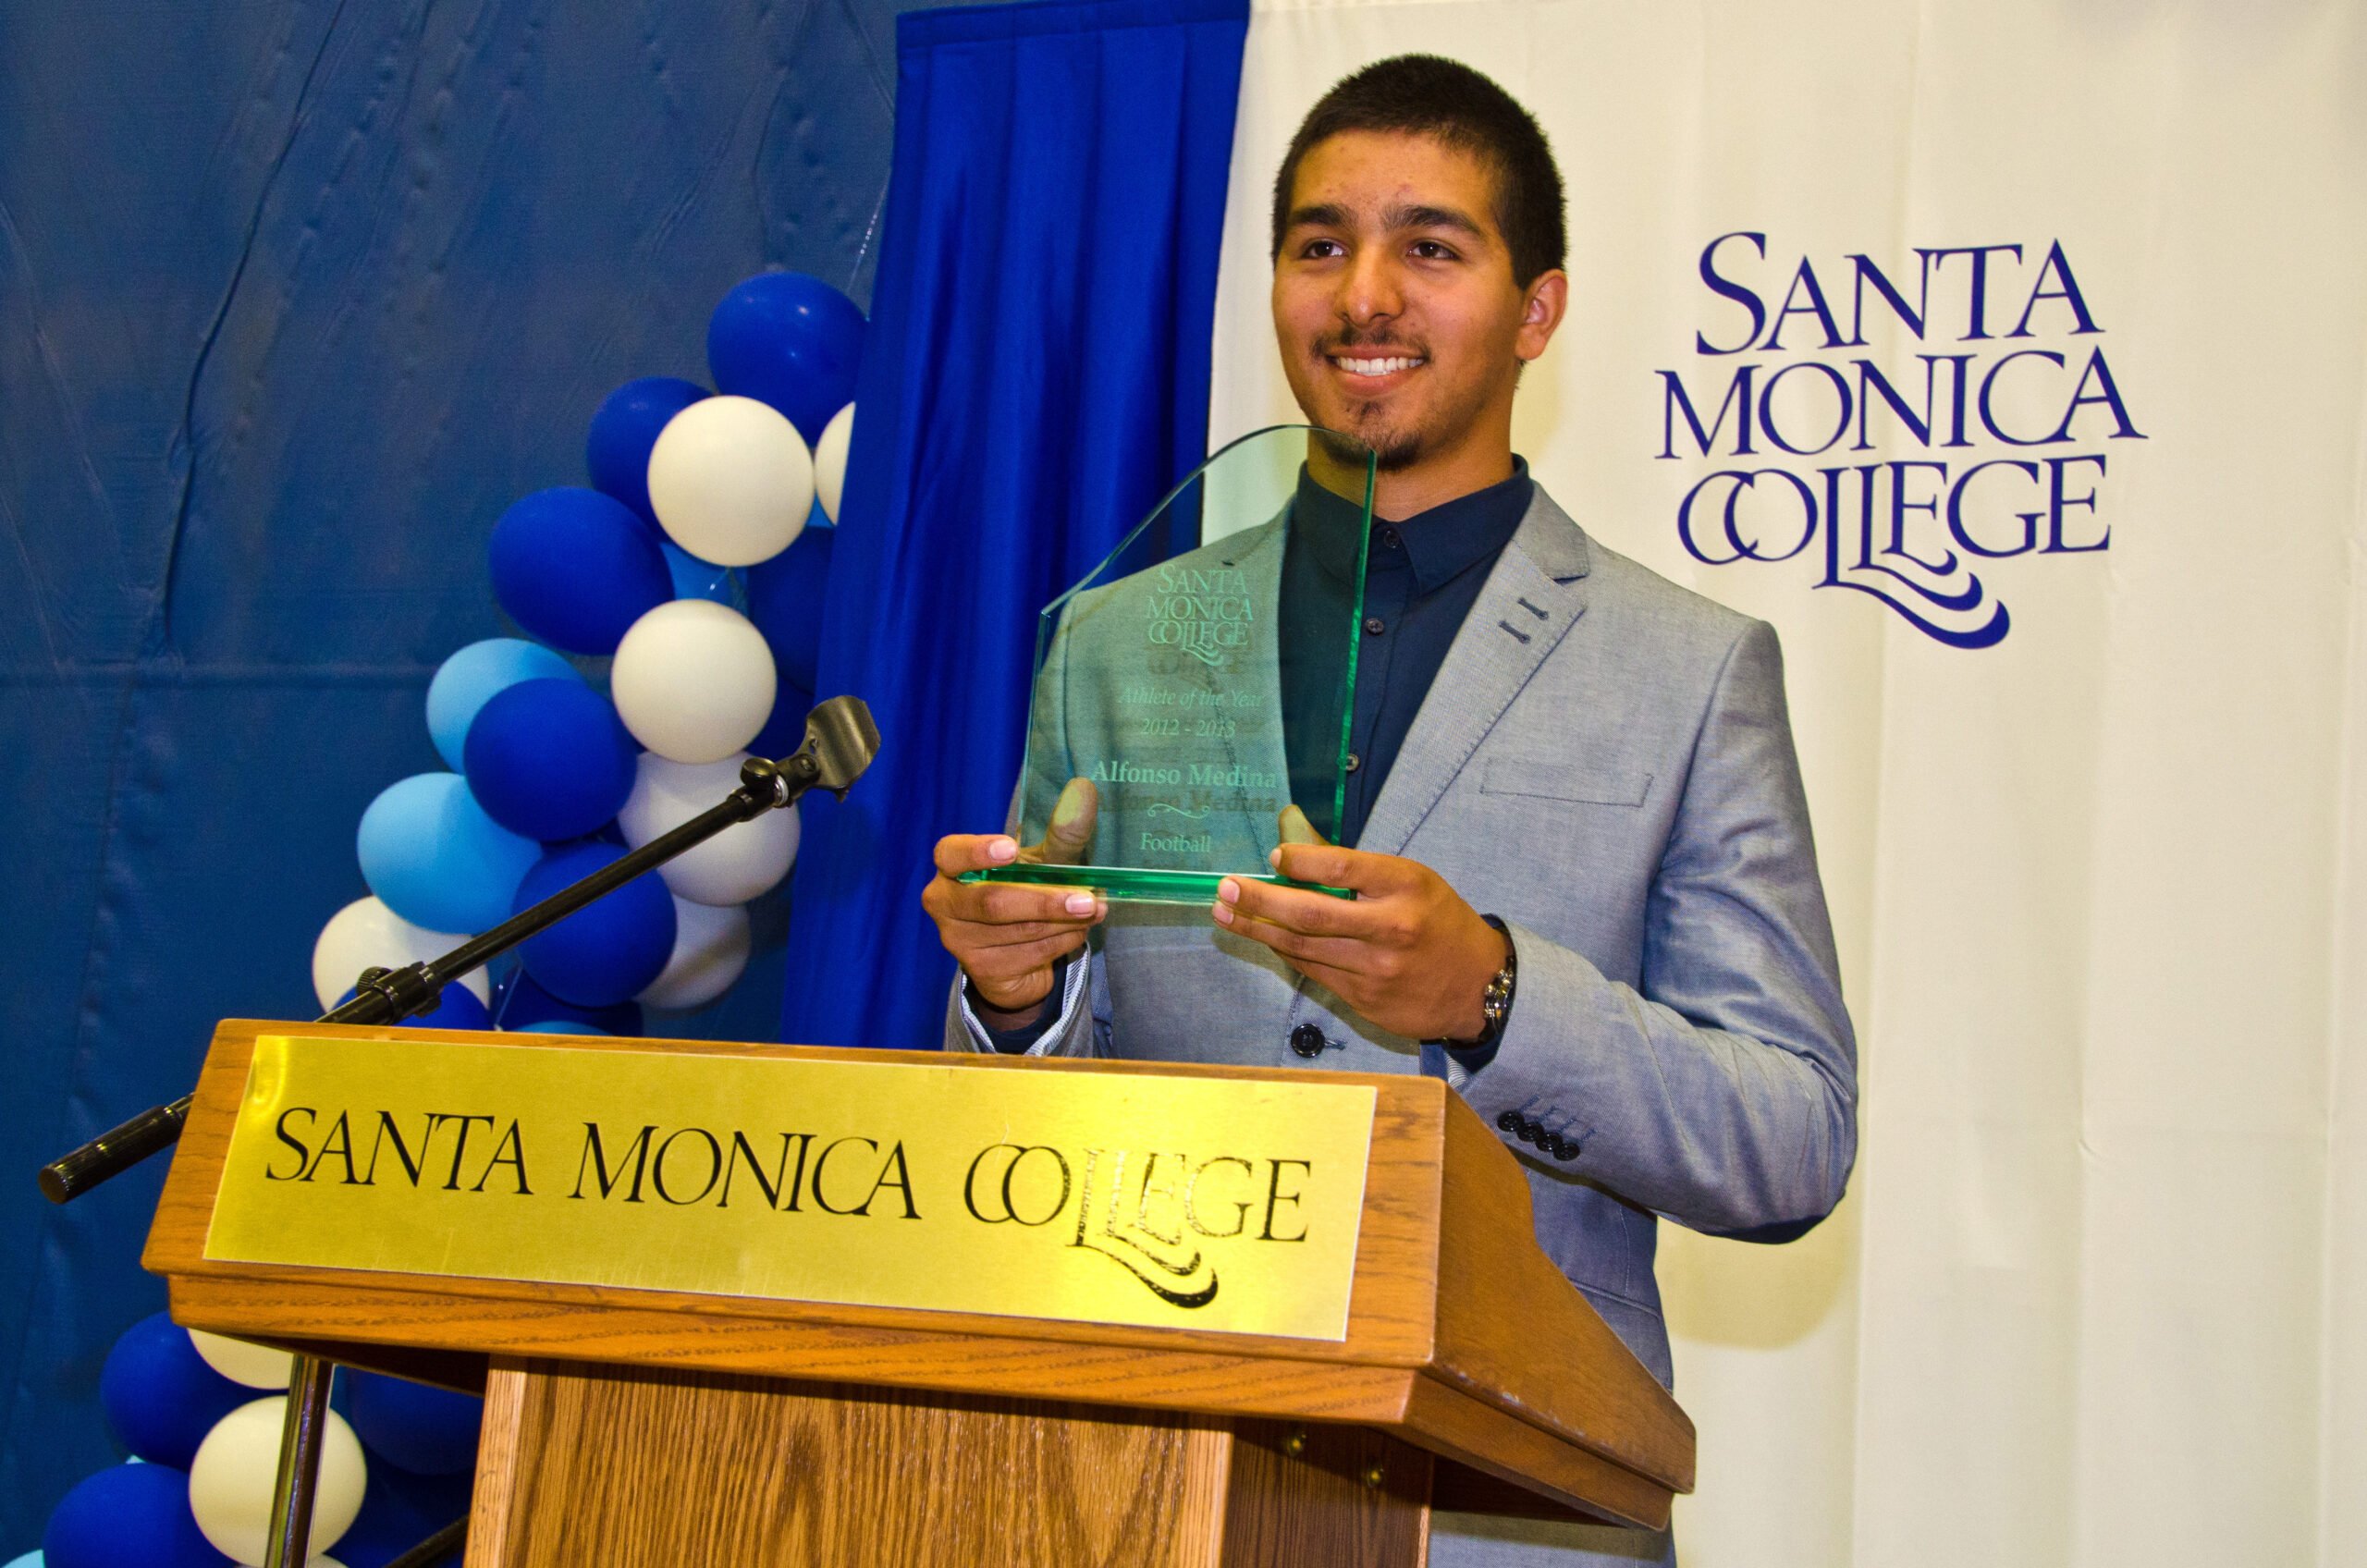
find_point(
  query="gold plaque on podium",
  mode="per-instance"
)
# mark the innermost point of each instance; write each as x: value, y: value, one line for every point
x: 1169, y: 1202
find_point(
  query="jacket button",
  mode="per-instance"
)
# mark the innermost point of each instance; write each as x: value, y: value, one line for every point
x: 1563, y: 1148
x: 1508, y: 1122
x: 1307, y: 1040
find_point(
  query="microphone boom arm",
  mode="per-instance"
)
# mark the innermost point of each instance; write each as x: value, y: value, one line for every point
x: 840, y: 741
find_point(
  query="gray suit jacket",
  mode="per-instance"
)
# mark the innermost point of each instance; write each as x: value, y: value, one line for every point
x: 1605, y: 761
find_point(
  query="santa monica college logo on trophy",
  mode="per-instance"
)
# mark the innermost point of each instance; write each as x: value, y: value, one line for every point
x: 1206, y: 613
x: 1983, y: 360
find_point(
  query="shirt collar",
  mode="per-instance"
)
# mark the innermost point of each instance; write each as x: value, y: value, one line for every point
x: 1441, y: 544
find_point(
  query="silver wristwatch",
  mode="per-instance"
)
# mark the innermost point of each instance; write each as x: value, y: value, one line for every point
x: 1496, y: 1001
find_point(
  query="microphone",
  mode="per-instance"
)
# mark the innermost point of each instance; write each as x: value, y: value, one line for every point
x: 840, y: 741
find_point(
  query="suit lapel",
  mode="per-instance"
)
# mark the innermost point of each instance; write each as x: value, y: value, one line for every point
x: 1532, y: 597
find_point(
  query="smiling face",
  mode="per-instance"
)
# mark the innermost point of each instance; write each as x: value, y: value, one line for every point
x: 1397, y: 312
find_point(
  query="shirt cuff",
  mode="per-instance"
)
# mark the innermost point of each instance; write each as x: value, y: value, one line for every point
x: 1467, y: 1061
x: 1028, y: 1039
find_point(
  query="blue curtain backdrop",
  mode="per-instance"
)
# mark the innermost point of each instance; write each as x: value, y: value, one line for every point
x: 295, y: 297
x: 1037, y: 377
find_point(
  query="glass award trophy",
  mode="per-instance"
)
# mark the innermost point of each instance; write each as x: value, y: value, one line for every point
x: 1201, y: 678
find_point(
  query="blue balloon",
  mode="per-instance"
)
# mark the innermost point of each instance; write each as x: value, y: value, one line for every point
x: 428, y: 1432
x: 609, y: 951
x: 695, y: 579
x: 468, y: 680
x: 791, y: 340
x: 160, y: 1396
x: 785, y: 597
x: 398, y: 1510
x: 431, y: 855
x: 550, y: 759
x: 624, y: 430
x: 784, y: 730
x: 457, y: 1008
x: 525, y: 1008
x: 130, y: 1516
x: 576, y: 569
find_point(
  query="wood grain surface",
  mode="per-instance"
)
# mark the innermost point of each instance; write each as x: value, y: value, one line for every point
x: 636, y: 1468
x: 646, y: 1469
x: 1598, y: 1396
x: 1462, y: 1336
x: 1314, y: 1494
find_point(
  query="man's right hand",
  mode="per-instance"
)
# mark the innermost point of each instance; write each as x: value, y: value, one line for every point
x: 1006, y: 935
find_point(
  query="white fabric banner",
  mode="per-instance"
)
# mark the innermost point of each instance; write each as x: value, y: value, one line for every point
x: 2010, y: 354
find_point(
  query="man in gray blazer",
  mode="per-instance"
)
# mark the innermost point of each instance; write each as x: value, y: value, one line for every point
x: 1586, y: 891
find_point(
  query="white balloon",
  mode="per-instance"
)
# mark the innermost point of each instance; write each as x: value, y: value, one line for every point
x: 730, y: 868
x: 258, y: 1366
x: 692, y: 681
x: 366, y: 934
x: 831, y: 461
x: 230, y: 1480
x: 710, y: 953
x: 732, y: 480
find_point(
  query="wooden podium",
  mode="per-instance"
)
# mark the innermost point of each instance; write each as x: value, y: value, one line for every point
x: 629, y: 1428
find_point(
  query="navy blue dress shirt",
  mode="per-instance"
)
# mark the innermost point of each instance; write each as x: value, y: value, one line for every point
x: 1422, y: 575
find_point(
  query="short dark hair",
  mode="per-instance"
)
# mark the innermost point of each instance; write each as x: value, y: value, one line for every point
x: 1426, y: 95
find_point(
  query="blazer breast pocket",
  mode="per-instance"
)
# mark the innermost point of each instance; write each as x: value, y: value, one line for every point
x: 1573, y: 782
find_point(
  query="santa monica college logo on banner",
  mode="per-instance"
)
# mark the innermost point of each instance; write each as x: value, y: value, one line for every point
x: 1800, y: 417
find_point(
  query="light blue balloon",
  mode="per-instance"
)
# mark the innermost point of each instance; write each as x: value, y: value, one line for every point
x: 30, y: 1559
x: 695, y: 579
x: 560, y: 1027
x: 467, y: 681
x: 431, y: 855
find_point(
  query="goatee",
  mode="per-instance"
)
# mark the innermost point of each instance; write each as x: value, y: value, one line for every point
x: 1393, y: 450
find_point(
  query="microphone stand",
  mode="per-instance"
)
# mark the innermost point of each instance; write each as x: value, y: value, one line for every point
x: 840, y: 741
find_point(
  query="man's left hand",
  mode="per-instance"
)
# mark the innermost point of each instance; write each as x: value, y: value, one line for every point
x: 1407, y: 954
